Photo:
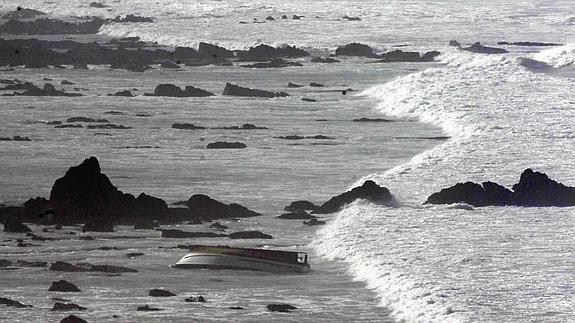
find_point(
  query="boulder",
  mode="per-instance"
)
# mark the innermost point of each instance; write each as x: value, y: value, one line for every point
x: 126, y: 93
x: 209, y: 52
x: 301, y: 205
x: 355, y: 49
x: 66, y: 82
x: 172, y: 233
x: 204, y: 207
x: 369, y: 191
x: 12, y: 303
x: 235, y: 90
x: 148, y: 206
x: 225, y: 145
x: 132, y: 18
x: 480, y: 49
x: 86, y: 267
x: 308, y: 100
x: 63, y: 286
x: 174, y: 91
x: 313, y: 222
x: 314, y: 84
x: 15, y: 226
x: 250, y: 235
x: 280, y: 308
x: 160, y: 293
x: 147, y: 308
x: 265, y: 53
x: 348, y: 18
x: 67, y: 307
x: 48, y: 90
x: 454, y: 43
x: 169, y: 64
x: 199, y: 299
x: 296, y: 215
x: 293, y: 85
x: 73, y: 319
x: 186, y: 126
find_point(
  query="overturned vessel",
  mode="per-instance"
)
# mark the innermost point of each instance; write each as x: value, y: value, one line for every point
x: 225, y: 257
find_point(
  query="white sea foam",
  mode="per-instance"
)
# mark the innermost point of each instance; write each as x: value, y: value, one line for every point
x: 557, y: 56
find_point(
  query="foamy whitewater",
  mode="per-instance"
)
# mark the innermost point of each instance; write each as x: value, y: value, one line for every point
x: 504, y: 113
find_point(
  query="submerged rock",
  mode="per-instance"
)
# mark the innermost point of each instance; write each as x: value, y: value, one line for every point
x: 225, y: 145
x: 86, y: 267
x: 265, y: 53
x: 534, y: 189
x: 313, y: 222
x: 301, y: 205
x: 480, y: 49
x: 372, y: 120
x: 204, y: 207
x: 401, y: 56
x: 187, y: 126
x: 324, y: 60
x: 293, y: 85
x: 280, y: 308
x: 147, y: 308
x: 355, y: 49
x: 296, y: 215
x: 73, y: 319
x: 235, y: 90
x: 63, y: 286
x: 125, y: 93
x: 250, y: 235
x: 275, y: 63
x: 172, y: 233
x: 67, y: 307
x: 528, y: 44
x: 156, y: 292
x: 199, y: 299
x: 369, y: 191
x: 174, y: 91
x: 132, y: 18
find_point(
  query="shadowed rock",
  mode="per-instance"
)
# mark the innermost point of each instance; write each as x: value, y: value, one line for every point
x: 313, y: 222
x: 293, y: 85
x: 324, y: 60
x: 348, y: 18
x: 480, y: 49
x: 250, y: 235
x: 187, y: 126
x: 296, y: 215
x: 48, y: 90
x: 174, y: 91
x: 172, y: 233
x: 372, y: 120
x: 528, y: 44
x: 67, y: 307
x: 204, y: 207
x: 85, y: 267
x: 160, y: 293
x: 209, y: 52
x: 314, y: 84
x: 169, y: 64
x: 73, y: 319
x: 199, y: 299
x: 15, y: 226
x: 265, y: 52
x: 225, y: 145
x: 281, y: 308
x: 534, y: 189
x: 275, y: 63
x: 126, y: 93
x: 369, y: 191
x: 235, y: 90
x: 355, y: 49
x: 47, y: 26
x: 301, y: 205
x: 147, y: 308
x: 63, y: 286
x: 109, y: 126
x: 12, y: 303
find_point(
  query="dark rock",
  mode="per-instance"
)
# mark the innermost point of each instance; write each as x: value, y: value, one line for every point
x: 116, y: 113
x: 63, y: 286
x: 148, y: 206
x: 296, y: 137
x: 301, y: 205
x: 369, y: 191
x: 97, y: 5
x: 236, y: 308
x: 67, y: 307
x: 296, y: 17
x: 236, y: 90
x: 132, y: 18
x: 169, y: 64
x: 98, y: 225
x: 73, y: 319
x: 54, y: 123
x: 308, y: 100
x: 351, y: 18
x: 85, y: 119
x: 185, y: 234
x: 218, y: 226
x: 372, y: 120
x: 281, y: 308
x: 275, y: 63
x: 250, y: 235
x: 66, y: 82
x: 527, y: 43
x: 296, y: 215
x: 401, y: 56
x: 160, y: 293
x: 12, y: 303
x: 245, y: 126
x: 85, y: 267
x: 5, y: 263
x: 204, y: 207
x: 15, y: 138
x: 48, y: 90
x: 15, y: 226
x: 209, y: 52
x: 122, y: 93
x: 480, y: 49
x: 23, y: 13
x: 199, y: 299
x: 147, y: 308
x: 454, y: 43
x: 108, y: 126
x: 293, y: 85
x: 537, y: 189
x: 313, y: 84
x: 270, y: 18
x: 62, y: 126
x: 185, y: 53
x: 355, y: 49
x: 186, y: 126
x: 225, y: 145
x: 47, y: 26
x: 324, y: 60
x: 265, y: 53
x: 313, y: 222
x: 174, y: 91
x: 134, y: 254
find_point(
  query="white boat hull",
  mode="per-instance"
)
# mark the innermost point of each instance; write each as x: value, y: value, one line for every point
x: 223, y: 261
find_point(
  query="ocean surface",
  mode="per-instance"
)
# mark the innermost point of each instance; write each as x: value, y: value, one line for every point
x: 412, y: 262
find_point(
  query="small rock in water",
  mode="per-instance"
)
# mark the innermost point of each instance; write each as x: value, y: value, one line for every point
x: 147, y: 308
x: 250, y: 235
x: 160, y: 293
x: 67, y: 307
x: 199, y: 299
x: 12, y: 303
x: 63, y: 286
x: 73, y: 319
x: 226, y: 145
x: 134, y: 254
x: 281, y: 308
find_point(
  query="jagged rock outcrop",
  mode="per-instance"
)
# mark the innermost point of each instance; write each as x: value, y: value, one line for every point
x: 265, y: 52
x: 355, y: 49
x: 235, y: 90
x: 156, y: 292
x: 225, y: 145
x: 301, y: 205
x: 48, y: 26
x: 369, y: 191
x: 209, y: 52
x: 401, y: 56
x: 205, y: 208
x: 187, y: 126
x: 534, y: 189
x: 250, y: 235
x: 172, y: 90
x: 47, y: 90
x: 480, y: 49
x: 12, y: 303
x: 63, y: 286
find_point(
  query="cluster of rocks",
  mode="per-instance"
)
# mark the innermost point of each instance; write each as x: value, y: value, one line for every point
x: 478, y: 48
x: 32, y: 90
x: 534, y: 189
x: 363, y: 50
x: 15, y: 138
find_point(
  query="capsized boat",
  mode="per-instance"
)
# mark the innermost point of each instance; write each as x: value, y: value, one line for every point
x: 225, y: 257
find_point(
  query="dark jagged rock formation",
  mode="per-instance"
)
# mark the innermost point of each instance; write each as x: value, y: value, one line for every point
x: 204, y: 207
x: 372, y: 120
x: 480, y: 49
x: 527, y: 43
x: 324, y: 60
x: 225, y: 145
x: 275, y: 63
x: 132, y: 18
x: 369, y: 191
x: 187, y: 126
x: 401, y: 56
x: 250, y: 235
x: 147, y: 308
x: 47, y: 26
x: 172, y: 233
x: 67, y: 307
x: 174, y: 91
x: 296, y: 215
x: 293, y: 85
x: 126, y: 93
x: 245, y: 126
x: 85, y: 119
x: 314, y: 84
x: 534, y: 189
x: 199, y: 299
x: 348, y: 18
x: 85, y: 267
x: 23, y: 13
x: 12, y: 303
x: 160, y: 293
x: 281, y: 308
x: 15, y: 138
x: 355, y: 49
x: 63, y: 286
x: 265, y: 53
x: 169, y: 64
x: 313, y: 222
x: 301, y: 205
x: 48, y: 90
x: 73, y: 319
x: 15, y: 226
x: 210, y: 52
x: 235, y: 90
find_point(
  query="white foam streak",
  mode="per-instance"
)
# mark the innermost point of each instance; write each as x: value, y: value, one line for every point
x: 557, y: 56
